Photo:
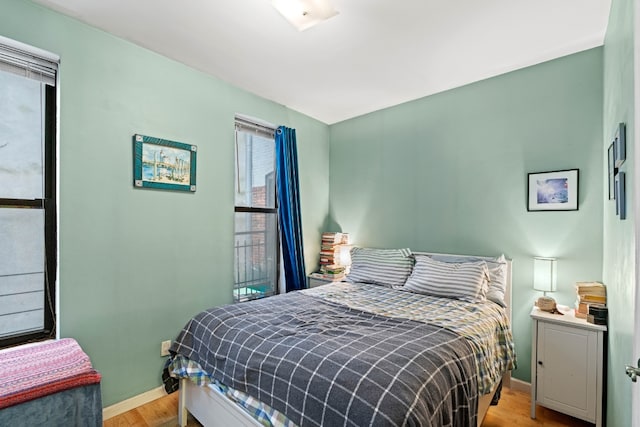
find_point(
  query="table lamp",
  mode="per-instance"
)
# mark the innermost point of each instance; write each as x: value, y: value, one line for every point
x: 544, y: 274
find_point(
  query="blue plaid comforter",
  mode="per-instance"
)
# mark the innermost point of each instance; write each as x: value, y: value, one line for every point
x: 320, y: 362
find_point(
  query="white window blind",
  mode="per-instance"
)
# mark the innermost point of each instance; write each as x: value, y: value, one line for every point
x: 27, y: 61
x: 246, y: 124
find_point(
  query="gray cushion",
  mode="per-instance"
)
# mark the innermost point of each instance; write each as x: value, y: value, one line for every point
x: 464, y: 281
x: 497, y: 274
x: 388, y: 267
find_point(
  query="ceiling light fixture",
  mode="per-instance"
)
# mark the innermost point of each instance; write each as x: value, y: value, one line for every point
x: 304, y: 14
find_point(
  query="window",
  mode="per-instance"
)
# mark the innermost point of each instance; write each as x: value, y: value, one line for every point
x: 27, y: 194
x: 256, y: 216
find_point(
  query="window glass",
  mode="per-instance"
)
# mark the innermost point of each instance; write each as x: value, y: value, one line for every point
x: 256, y: 254
x: 22, y: 267
x: 21, y: 304
x: 22, y: 237
x: 21, y: 117
x: 255, y: 166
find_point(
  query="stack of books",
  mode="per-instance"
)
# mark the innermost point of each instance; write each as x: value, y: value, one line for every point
x: 331, y: 272
x: 589, y: 294
x: 330, y: 248
x: 334, y: 251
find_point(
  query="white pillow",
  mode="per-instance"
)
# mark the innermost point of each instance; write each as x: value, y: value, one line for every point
x: 466, y: 281
x: 497, y: 274
x: 389, y: 267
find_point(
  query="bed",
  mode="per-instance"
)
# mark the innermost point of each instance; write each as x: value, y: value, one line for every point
x: 402, y: 344
x: 49, y: 383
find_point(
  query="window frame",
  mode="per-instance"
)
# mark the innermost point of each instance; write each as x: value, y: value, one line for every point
x: 245, y: 124
x: 33, y: 60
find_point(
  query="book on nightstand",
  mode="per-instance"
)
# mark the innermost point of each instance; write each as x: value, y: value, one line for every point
x: 326, y: 276
x: 589, y: 294
x: 334, y: 249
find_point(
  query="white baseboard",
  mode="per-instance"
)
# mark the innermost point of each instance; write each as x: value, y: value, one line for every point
x: 133, y: 402
x: 519, y: 385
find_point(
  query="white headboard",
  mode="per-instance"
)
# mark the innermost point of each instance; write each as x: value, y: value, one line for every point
x: 507, y: 292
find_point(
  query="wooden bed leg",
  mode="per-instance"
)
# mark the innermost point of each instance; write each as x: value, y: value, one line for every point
x: 182, y: 406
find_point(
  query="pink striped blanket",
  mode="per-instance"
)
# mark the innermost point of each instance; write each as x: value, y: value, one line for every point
x: 32, y: 371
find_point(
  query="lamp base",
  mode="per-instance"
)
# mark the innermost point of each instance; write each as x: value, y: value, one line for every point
x: 546, y: 304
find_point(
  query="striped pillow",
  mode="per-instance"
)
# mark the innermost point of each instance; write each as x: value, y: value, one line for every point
x: 497, y: 274
x: 464, y: 281
x: 389, y: 267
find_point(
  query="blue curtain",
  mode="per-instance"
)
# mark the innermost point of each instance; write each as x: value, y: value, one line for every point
x: 289, y: 208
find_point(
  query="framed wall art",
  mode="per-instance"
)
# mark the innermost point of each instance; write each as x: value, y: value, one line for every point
x: 613, y: 170
x: 616, y: 156
x: 620, y: 145
x: 621, y: 202
x: 162, y: 164
x: 553, y: 191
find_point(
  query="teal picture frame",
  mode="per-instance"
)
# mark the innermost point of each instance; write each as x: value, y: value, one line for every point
x: 163, y: 164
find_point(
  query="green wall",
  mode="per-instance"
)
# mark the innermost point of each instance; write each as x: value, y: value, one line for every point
x: 448, y: 173
x: 619, y: 254
x: 136, y: 264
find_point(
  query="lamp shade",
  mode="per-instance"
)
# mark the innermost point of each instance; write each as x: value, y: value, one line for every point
x: 544, y: 274
x: 345, y: 255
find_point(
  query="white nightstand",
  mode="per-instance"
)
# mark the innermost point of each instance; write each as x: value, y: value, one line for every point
x: 313, y: 281
x: 567, y: 365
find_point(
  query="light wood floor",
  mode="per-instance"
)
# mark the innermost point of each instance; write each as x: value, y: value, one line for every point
x: 513, y: 410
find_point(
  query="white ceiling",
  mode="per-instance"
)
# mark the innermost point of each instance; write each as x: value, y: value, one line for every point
x: 374, y: 54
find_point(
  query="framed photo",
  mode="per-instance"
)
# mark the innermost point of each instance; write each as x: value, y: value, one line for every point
x: 612, y: 172
x: 553, y: 191
x: 163, y: 164
x: 620, y: 145
x: 621, y: 204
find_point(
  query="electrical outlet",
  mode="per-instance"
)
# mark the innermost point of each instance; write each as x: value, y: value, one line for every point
x: 164, y: 348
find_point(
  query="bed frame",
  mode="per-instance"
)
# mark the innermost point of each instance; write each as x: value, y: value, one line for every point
x: 212, y: 409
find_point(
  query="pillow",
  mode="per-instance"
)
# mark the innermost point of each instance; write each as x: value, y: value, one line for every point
x: 497, y: 274
x: 465, y: 281
x: 389, y: 267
